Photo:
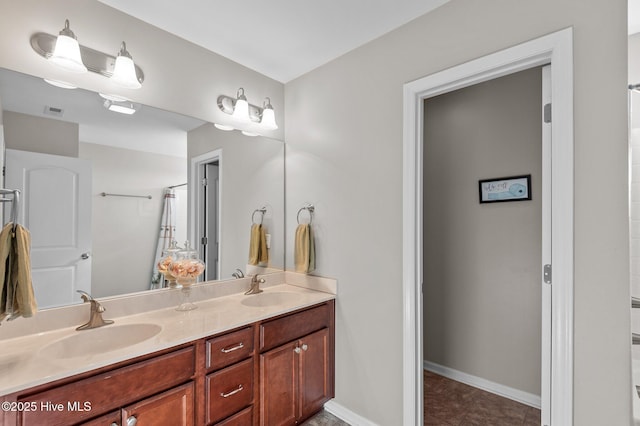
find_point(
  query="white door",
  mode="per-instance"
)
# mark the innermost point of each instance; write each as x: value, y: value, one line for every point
x: 56, y: 208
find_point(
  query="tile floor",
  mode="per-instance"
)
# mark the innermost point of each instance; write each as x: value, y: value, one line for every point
x: 324, y: 418
x: 451, y: 403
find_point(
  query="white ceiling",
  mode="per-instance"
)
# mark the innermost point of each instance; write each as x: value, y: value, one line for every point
x: 282, y: 39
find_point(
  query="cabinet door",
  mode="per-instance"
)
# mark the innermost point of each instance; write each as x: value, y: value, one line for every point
x: 171, y: 408
x: 314, y: 372
x: 279, y: 385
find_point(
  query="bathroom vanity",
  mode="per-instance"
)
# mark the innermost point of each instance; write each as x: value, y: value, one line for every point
x: 273, y: 363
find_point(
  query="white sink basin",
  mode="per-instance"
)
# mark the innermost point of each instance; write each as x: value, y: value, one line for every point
x: 100, y: 340
x: 265, y: 299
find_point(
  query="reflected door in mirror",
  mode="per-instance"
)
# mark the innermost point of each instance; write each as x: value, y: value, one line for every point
x: 56, y: 208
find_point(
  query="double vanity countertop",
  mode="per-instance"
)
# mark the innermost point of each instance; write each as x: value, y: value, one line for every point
x: 40, y: 355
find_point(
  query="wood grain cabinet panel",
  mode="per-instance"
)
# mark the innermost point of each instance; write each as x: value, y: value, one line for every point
x: 229, y: 390
x: 110, y: 390
x: 171, y: 408
x: 229, y: 348
x: 243, y: 418
x: 297, y: 378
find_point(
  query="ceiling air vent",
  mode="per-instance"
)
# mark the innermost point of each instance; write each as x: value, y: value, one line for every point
x: 56, y: 112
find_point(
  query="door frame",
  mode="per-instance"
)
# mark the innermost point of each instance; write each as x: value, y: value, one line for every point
x: 196, y: 203
x: 555, y: 49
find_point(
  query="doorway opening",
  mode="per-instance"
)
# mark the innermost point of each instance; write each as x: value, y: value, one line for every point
x: 554, y: 49
x: 483, y: 238
x: 205, y: 207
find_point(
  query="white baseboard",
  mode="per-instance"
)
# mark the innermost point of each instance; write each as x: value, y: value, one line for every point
x: 484, y: 384
x: 347, y: 415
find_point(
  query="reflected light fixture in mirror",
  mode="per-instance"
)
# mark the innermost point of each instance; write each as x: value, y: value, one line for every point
x: 124, y: 71
x: 123, y: 107
x: 60, y: 84
x: 66, y: 53
x: 250, y: 117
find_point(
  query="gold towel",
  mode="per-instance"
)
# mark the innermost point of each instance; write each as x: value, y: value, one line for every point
x: 305, y: 250
x: 17, y: 297
x: 258, y: 253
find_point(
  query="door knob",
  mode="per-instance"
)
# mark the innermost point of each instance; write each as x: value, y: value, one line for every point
x: 85, y: 256
x: 131, y: 421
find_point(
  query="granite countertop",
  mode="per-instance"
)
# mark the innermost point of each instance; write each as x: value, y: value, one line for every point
x: 27, y: 360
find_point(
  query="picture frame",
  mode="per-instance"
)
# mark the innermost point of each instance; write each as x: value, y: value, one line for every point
x: 505, y: 189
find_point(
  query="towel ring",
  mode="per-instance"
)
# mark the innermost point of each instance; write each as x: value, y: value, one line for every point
x: 310, y: 208
x: 253, y: 215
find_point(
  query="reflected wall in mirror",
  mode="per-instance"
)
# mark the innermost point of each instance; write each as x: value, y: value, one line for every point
x: 138, y: 156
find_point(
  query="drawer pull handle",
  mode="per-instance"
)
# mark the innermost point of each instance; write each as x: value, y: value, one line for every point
x: 305, y: 347
x: 235, y: 348
x: 131, y: 421
x: 233, y: 392
x: 297, y: 350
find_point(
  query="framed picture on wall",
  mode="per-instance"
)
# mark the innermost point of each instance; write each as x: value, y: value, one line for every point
x: 513, y: 188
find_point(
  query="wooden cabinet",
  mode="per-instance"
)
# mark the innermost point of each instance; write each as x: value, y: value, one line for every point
x: 273, y: 372
x: 296, y: 378
x: 108, y: 390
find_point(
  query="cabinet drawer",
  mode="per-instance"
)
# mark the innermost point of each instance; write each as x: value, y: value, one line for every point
x: 229, y: 348
x: 229, y: 390
x: 243, y: 418
x: 282, y: 330
x: 112, y: 389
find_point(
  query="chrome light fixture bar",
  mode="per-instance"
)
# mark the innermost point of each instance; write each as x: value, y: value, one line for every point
x: 244, y: 114
x: 95, y: 61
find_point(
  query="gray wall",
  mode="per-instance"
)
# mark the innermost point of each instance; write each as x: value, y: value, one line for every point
x: 482, y: 281
x: 251, y: 176
x: 39, y: 134
x: 344, y: 153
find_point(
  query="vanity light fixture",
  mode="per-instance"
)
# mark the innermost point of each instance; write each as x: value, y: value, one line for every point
x: 66, y: 52
x: 48, y: 46
x: 250, y: 118
x: 124, y: 71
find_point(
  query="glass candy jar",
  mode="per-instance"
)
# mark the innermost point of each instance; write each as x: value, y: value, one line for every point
x: 186, y: 268
x: 168, y: 256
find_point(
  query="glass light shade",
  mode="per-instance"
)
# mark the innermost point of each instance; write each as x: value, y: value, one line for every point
x: 268, y: 119
x: 247, y: 133
x: 66, y: 54
x: 124, y: 73
x: 224, y: 127
x: 61, y: 84
x: 241, y: 111
x: 121, y: 107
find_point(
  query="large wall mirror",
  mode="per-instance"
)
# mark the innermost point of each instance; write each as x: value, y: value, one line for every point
x: 63, y: 143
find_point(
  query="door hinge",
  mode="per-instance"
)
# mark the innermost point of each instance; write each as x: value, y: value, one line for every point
x: 547, y: 113
x: 547, y: 274
x: 204, y: 241
x: 204, y: 182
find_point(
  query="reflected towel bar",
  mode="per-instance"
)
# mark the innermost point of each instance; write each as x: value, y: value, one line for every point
x: 104, y: 194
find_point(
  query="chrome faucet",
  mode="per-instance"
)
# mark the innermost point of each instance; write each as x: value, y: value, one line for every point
x: 255, y: 285
x: 95, y: 318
